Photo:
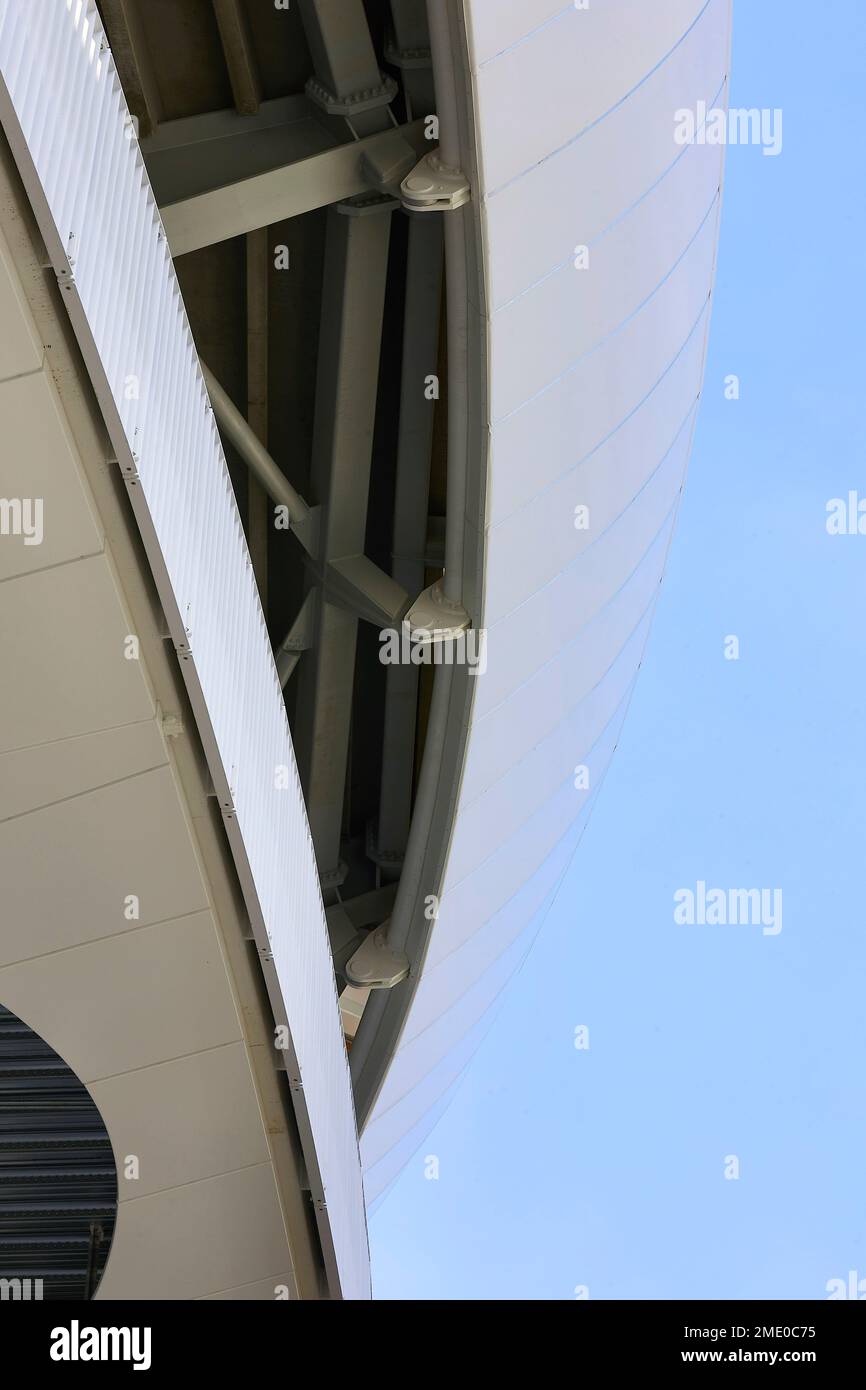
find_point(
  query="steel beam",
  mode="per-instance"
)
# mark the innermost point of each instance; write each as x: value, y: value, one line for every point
x: 354, y: 582
x: 410, y: 27
x: 421, y: 320
x: 410, y: 52
x: 449, y: 716
x: 351, y: 581
x: 340, y: 45
x: 236, y: 428
x: 351, y: 93
x: 348, y: 84
x: 356, y: 264
x: 246, y: 89
x: 318, y: 181
x: 132, y: 57
x: 240, y: 60
x: 180, y: 132
x: 197, y: 154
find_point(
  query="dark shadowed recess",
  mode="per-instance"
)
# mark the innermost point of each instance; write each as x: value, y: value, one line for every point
x: 58, y: 1180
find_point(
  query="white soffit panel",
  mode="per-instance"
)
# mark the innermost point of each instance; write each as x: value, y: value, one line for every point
x: 595, y: 376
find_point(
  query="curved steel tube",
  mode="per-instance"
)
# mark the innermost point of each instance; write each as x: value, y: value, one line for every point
x: 408, y: 929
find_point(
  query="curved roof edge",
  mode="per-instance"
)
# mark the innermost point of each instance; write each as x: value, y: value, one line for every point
x: 596, y: 235
x: 386, y: 1011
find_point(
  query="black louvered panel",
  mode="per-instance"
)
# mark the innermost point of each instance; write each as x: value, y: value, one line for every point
x: 58, y: 1181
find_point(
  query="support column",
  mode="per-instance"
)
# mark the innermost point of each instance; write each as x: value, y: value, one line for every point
x: 420, y: 353
x: 356, y: 265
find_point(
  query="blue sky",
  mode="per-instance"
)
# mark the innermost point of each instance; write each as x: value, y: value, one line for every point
x: 605, y: 1167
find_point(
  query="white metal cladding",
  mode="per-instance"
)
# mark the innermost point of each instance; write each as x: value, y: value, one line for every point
x: 73, y: 138
x: 594, y: 382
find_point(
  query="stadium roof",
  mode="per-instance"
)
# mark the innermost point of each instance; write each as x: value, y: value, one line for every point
x: 322, y: 439
x: 595, y: 362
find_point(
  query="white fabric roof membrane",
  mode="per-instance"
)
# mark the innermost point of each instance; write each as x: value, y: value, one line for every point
x: 595, y: 376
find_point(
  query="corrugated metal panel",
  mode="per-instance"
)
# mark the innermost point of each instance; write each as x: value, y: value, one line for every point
x: 595, y: 378
x: 68, y: 124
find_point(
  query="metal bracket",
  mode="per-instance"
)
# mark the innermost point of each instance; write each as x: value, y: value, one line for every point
x: 374, y: 965
x: 334, y: 878
x: 389, y: 161
x: 432, y: 188
x: 353, y: 582
x: 434, y: 618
